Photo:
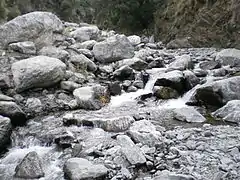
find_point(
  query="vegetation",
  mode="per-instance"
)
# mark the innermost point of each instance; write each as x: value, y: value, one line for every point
x: 207, y: 22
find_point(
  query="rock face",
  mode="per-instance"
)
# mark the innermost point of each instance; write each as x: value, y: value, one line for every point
x: 113, y: 49
x: 93, y: 98
x: 30, y: 167
x: 230, y: 112
x: 219, y: 92
x: 39, y: 71
x: 132, y: 152
x: 35, y: 26
x: 188, y: 114
x: 5, y: 131
x: 229, y: 57
x: 13, y: 111
x: 82, y: 169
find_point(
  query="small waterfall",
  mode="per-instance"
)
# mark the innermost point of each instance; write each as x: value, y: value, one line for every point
x: 129, y: 97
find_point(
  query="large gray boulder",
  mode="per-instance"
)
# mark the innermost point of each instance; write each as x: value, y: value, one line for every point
x: 230, y: 112
x: 93, y: 98
x: 229, y: 57
x: 85, y: 33
x: 113, y: 49
x: 35, y: 26
x: 82, y: 169
x: 13, y: 111
x: 5, y: 131
x: 218, y: 93
x: 26, y: 47
x: 181, y: 63
x: 30, y: 167
x: 132, y: 152
x: 39, y: 71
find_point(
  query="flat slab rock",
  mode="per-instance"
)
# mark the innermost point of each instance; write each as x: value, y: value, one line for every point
x: 82, y: 169
x: 188, y: 114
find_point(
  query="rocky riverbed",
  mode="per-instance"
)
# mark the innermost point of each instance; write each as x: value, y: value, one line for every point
x: 77, y: 102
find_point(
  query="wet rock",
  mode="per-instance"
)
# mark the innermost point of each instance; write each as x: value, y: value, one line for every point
x: 30, y: 167
x: 26, y: 47
x: 229, y: 57
x: 13, y: 111
x: 230, y: 112
x: 114, y: 88
x: 81, y: 62
x: 218, y: 93
x: 144, y: 132
x: 173, y: 79
x: 40, y: 71
x: 5, y: 132
x: 113, y: 49
x: 93, y: 98
x: 82, y: 169
x: 191, y: 79
x: 124, y: 73
x: 132, y: 152
x: 209, y: 65
x: 21, y: 28
x: 54, y: 52
x: 188, y: 114
x: 162, y: 92
x: 181, y: 63
x: 69, y: 85
x: 134, y: 40
x: 85, y: 33
x: 135, y: 63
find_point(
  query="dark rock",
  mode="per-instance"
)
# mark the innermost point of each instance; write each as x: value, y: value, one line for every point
x: 114, y: 88
x: 209, y: 65
x: 191, y: 79
x: 200, y: 72
x: 135, y: 63
x: 162, y: 92
x: 5, y: 132
x: 124, y: 73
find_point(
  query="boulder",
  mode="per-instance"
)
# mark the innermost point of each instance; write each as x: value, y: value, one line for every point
x: 81, y: 62
x: 93, y: 98
x: 85, y: 33
x: 188, y: 114
x: 113, y: 49
x: 35, y: 26
x: 172, y: 79
x: 229, y: 57
x: 135, y: 63
x: 13, y: 111
x: 87, y: 44
x: 5, y: 82
x: 5, y: 132
x: 218, y: 93
x: 144, y: 132
x: 132, y: 152
x: 209, y: 65
x: 54, y: 52
x: 191, y: 79
x: 134, y: 40
x: 36, y: 72
x: 34, y: 105
x: 124, y: 73
x: 82, y: 169
x: 26, y: 47
x: 162, y: 92
x: 114, y: 88
x: 181, y: 63
x: 30, y: 167
x: 230, y: 112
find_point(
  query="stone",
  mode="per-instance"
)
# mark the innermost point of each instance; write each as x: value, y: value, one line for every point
x: 85, y: 33
x: 36, y: 72
x: 229, y: 57
x: 173, y: 79
x: 209, y: 65
x: 34, y: 104
x: 37, y: 27
x: 134, y: 40
x: 132, y: 152
x: 181, y: 63
x: 82, y: 169
x: 4, y: 81
x: 230, y: 112
x: 166, y: 175
x: 69, y: 85
x: 200, y: 72
x: 162, y: 92
x: 138, y: 84
x: 114, y: 88
x: 5, y: 98
x: 113, y: 49
x: 5, y: 132
x: 124, y: 73
x: 81, y: 62
x: 30, y: 167
x: 87, y: 44
x: 13, y: 111
x: 191, y: 79
x: 188, y: 114
x: 54, y: 52
x: 26, y: 47
x: 92, y: 98
x: 132, y: 89
x: 135, y: 63
x: 179, y: 43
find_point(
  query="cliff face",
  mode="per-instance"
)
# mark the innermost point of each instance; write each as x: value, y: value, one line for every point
x: 206, y: 22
